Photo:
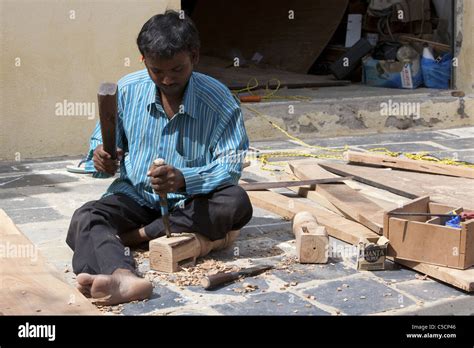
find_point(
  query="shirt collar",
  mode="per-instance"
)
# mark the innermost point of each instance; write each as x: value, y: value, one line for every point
x: 189, y: 98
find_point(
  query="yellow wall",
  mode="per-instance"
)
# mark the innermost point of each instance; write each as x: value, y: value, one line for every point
x: 465, y: 72
x: 56, y: 50
x: 65, y: 48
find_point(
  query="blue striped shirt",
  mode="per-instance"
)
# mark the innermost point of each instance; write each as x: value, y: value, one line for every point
x: 206, y: 140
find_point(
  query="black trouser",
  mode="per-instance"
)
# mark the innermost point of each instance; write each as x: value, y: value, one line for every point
x: 95, y: 226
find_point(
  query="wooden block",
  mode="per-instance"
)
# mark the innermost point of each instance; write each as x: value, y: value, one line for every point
x: 337, y: 226
x: 408, y: 164
x: 170, y: 254
x: 312, y: 241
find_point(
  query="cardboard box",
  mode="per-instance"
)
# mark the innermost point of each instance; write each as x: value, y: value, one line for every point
x: 372, y: 253
x: 426, y: 239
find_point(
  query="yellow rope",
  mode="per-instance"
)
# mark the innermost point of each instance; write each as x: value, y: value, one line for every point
x: 423, y: 156
x: 335, y: 153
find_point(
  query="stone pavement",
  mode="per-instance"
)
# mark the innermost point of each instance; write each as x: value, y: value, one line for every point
x: 41, y: 196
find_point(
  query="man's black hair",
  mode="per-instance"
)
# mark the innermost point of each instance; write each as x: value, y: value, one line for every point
x: 165, y: 35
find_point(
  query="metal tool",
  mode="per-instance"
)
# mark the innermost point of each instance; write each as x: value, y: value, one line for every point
x: 419, y: 214
x: 211, y: 281
x: 465, y: 215
x: 163, y: 202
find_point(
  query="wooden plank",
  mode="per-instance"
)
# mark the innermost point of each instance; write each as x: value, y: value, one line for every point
x: 354, y: 204
x: 438, y: 45
x: 28, y: 285
x: 310, y: 169
x: 349, y: 201
x: 337, y: 226
x: 448, y: 190
x: 265, y: 185
x: 408, y: 164
x: 377, y: 196
x: 299, y: 168
x: 341, y: 229
x: 310, y: 193
x: 462, y: 279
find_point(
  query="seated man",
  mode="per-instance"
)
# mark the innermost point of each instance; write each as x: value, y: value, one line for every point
x: 190, y: 120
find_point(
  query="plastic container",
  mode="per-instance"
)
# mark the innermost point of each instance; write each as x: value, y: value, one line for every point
x: 437, y: 73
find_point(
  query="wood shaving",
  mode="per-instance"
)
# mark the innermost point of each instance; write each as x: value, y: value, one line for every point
x: 191, y: 276
x: 117, y: 309
x: 421, y: 277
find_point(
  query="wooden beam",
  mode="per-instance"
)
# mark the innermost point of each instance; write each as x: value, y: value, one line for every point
x: 350, y: 232
x: 448, y: 190
x: 265, y: 185
x: 438, y: 45
x: 310, y: 168
x: 337, y: 226
x: 354, y: 204
x: 462, y: 279
x: 310, y: 193
x: 349, y: 201
x: 298, y: 168
x: 28, y: 286
x: 408, y: 164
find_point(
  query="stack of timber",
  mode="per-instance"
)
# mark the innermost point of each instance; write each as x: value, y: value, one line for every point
x: 351, y: 215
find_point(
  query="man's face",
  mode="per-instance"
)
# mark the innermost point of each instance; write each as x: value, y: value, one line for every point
x: 171, y: 75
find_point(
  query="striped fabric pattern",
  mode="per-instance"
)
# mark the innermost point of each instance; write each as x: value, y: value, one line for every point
x: 206, y: 140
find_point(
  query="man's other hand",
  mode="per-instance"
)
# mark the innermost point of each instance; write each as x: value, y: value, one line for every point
x: 103, y: 161
x: 165, y: 179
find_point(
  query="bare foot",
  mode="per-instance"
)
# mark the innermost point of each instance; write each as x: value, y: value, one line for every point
x: 84, y: 283
x: 122, y: 286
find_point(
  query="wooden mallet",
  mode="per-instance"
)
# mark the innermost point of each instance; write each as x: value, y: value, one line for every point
x: 107, y: 98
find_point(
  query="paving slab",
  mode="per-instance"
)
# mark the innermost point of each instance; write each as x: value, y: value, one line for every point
x: 162, y: 298
x: 404, y: 147
x: 358, y: 296
x: 303, y: 273
x: 463, y: 143
x: 271, y: 303
x: 395, y: 273
x: 430, y: 290
x: 42, y: 208
x: 234, y: 289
